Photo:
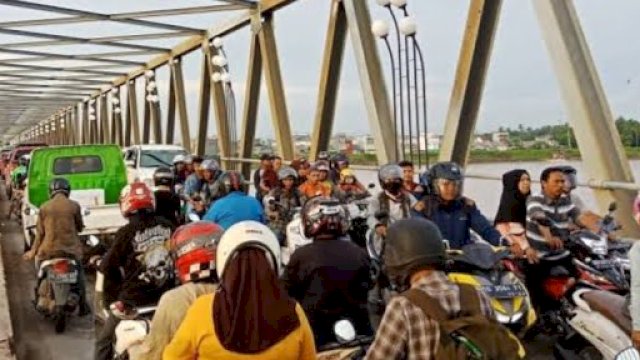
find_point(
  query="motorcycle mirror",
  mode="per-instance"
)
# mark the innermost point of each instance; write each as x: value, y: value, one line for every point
x: 447, y: 246
x: 344, y: 331
x: 628, y: 354
x: 194, y: 217
x: 93, y: 241
x: 371, y: 185
x: 381, y: 215
x: 613, y: 206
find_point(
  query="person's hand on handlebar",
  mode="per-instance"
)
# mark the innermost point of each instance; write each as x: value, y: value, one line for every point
x: 516, y: 250
x: 532, y: 255
x: 555, y: 243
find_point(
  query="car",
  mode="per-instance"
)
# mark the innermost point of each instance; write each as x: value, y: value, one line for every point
x: 96, y: 174
x: 143, y: 160
x: 12, y: 161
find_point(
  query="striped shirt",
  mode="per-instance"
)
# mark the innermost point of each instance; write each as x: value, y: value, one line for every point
x: 561, y: 212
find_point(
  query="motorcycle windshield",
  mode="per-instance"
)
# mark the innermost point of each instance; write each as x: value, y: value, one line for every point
x: 480, y: 255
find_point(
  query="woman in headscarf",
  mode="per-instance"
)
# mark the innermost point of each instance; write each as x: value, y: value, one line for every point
x: 250, y: 315
x: 511, y: 217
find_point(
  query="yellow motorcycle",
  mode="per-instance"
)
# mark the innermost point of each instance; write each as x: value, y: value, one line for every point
x: 489, y: 269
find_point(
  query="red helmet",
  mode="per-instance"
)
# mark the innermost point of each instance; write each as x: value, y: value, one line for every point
x: 135, y: 198
x: 324, y: 216
x: 193, y: 248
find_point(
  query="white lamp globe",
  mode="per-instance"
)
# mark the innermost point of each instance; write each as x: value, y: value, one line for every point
x: 216, y: 77
x: 383, y: 2
x: 149, y: 97
x: 92, y: 111
x: 380, y: 28
x: 117, y: 110
x: 154, y: 98
x: 152, y: 86
x: 148, y: 73
x: 220, y: 60
x: 217, y: 42
x: 399, y: 3
x: 408, y: 26
x: 92, y: 117
x: 225, y: 77
x: 115, y: 101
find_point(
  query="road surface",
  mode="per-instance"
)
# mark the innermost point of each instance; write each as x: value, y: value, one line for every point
x: 34, y: 336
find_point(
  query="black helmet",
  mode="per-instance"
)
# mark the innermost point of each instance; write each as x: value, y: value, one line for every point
x: 324, y: 217
x: 232, y: 181
x: 24, y: 160
x: 390, y: 178
x: 448, y: 171
x: 340, y: 159
x: 59, y: 185
x: 410, y: 245
x: 163, y: 176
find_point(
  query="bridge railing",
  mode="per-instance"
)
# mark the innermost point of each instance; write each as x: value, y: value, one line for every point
x: 591, y: 183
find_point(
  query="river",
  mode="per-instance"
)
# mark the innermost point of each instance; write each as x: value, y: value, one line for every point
x: 486, y: 193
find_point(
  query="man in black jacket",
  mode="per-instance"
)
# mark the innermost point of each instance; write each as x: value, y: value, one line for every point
x: 265, y: 161
x: 330, y: 277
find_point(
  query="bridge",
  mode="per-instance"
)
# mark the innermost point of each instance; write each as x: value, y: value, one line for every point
x: 75, y: 89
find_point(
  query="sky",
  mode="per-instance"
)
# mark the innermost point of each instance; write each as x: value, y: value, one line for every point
x: 520, y: 88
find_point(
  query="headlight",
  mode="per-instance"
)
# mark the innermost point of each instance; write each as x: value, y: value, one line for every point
x: 505, y: 319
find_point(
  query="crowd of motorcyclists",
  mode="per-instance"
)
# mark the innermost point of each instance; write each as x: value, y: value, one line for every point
x: 208, y: 254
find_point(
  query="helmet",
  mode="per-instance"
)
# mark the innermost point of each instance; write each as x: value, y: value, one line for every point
x: 179, y: 159
x: 287, y: 172
x: 24, y: 160
x: 410, y: 244
x: 322, y: 165
x: 247, y: 234
x: 345, y: 173
x: 193, y: 248
x: 390, y: 177
x: 322, y: 155
x: 448, y: 171
x: 210, y: 165
x: 163, y: 176
x: 340, y: 159
x: 231, y: 181
x: 136, y: 198
x: 59, y: 185
x: 324, y: 216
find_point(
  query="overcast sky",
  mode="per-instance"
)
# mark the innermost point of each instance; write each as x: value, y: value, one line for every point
x: 520, y: 89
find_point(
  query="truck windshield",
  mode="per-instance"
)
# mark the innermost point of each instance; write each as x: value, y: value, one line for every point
x: 158, y: 158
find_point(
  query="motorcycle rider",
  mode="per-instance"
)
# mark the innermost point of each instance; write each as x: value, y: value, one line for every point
x: 193, y: 184
x: 20, y: 173
x: 138, y: 263
x: 180, y: 169
x: 313, y: 187
x: 454, y: 214
x: 211, y: 187
x: 392, y: 202
x: 338, y: 163
x: 265, y: 163
x: 57, y: 227
x: 414, y: 259
x: 167, y: 202
x: 331, y: 276
x: 349, y: 187
x: 286, y: 197
x: 417, y: 190
x: 634, y: 258
x: 193, y: 249
x: 234, y: 204
x: 250, y: 316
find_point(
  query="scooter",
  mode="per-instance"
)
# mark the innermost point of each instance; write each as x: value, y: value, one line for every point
x: 57, y: 293
x: 349, y: 346
x: 482, y: 266
x: 131, y: 331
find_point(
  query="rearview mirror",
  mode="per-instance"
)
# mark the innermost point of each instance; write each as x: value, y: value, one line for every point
x: 344, y: 331
x: 29, y: 211
x: 93, y: 241
x: 371, y: 185
x: 613, y: 206
x: 628, y: 354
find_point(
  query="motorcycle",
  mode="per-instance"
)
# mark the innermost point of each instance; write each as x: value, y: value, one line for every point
x: 57, y: 292
x: 131, y: 330
x: 359, y: 214
x: 349, y: 346
x: 484, y: 267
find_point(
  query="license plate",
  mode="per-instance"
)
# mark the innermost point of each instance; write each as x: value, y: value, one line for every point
x: 602, y: 264
x: 66, y: 278
x: 504, y: 291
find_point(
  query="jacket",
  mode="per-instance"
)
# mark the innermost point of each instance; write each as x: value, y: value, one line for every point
x: 456, y: 220
x: 192, y: 185
x: 172, y: 309
x: 233, y: 208
x: 281, y: 214
x: 196, y: 339
x: 397, y: 210
x: 168, y: 206
x: 57, y: 228
x: 330, y: 279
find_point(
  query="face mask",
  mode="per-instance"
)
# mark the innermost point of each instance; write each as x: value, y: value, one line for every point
x: 394, y: 188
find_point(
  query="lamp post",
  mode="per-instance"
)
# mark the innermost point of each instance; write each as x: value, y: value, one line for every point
x: 223, y: 76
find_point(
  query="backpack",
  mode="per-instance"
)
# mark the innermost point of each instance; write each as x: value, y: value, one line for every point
x: 470, y: 334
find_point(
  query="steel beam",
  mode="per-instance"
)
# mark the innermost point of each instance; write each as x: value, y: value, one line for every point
x: 181, y: 104
x: 329, y: 79
x: 371, y: 78
x: 205, y: 101
x: 275, y: 89
x: 221, y: 112
x: 54, y: 86
x: 586, y: 104
x: 171, y: 108
x: 104, y: 120
x: 32, y: 68
x: 146, y: 115
x: 52, y: 56
x: 54, y: 78
x: 251, y: 101
x: 98, y: 40
x: 468, y: 86
x: 132, y: 115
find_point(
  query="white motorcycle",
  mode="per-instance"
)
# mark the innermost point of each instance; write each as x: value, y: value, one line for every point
x: 131, y: 331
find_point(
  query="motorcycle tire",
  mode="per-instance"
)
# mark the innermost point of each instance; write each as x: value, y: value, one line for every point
x: 60, y: 319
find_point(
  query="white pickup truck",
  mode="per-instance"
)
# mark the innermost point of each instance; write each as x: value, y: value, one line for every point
x: 143, y: 160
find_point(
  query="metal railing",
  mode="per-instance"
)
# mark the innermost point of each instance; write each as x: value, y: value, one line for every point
x: 591, y: 183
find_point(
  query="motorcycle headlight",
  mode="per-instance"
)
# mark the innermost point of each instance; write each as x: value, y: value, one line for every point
x: 506, y: 319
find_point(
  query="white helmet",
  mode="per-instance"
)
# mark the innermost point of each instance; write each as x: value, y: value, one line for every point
x: 178, y: 159
x: 247, y: 234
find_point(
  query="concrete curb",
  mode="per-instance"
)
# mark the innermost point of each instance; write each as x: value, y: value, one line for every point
x: 6, y: 330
